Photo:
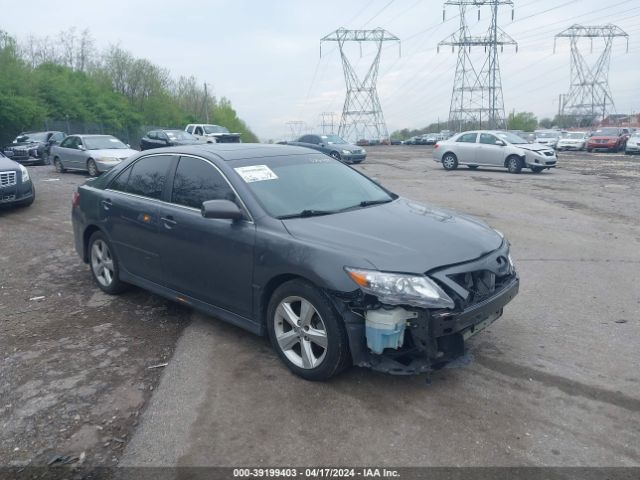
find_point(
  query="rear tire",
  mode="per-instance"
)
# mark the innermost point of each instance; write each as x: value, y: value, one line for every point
x: 57, y: 163
x: 589, y: 150
x: 449, y: 161
x: 314, y: 345
x: 514, y: 164
x: 104, y: 265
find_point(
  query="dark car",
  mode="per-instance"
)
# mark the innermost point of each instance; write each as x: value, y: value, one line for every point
x: 611, y: 139
x: 167, y: 138
x: 16, y: 186
x: 33, y: 147
x: 334, y: 146
x: 287, y: 242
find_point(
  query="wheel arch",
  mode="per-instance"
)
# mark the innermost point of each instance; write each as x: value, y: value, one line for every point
x: 270, y: 287
x: 86, y: 235
x: 521, y: 157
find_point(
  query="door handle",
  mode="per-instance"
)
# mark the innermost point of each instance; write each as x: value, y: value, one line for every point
x: 168, y: 221
x: 106, y: 204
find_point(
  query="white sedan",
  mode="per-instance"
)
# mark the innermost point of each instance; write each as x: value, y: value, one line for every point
x: 493, y: 148
x: 572, y: 141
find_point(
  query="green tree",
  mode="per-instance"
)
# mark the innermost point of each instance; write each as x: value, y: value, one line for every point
x: 525, y: 121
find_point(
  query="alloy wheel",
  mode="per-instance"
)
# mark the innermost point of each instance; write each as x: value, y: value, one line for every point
x: 92, y: 168
x: 102, y: 263
x: 300, y: 332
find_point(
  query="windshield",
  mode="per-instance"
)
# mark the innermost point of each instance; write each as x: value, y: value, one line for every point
x: 214, y: 129
x: 612, y: 132
x: 179, y: 135
x: 32, y: 137
x: 308, y: 185
x: 511, y: 137
x: 547, y: 135
x: 575, y: 135
x: 106, y: 142
x: 333, y: 139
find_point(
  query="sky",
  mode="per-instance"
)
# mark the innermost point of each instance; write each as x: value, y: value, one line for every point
x: 265, y: 55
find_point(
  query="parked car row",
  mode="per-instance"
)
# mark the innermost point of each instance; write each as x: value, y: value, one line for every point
x: 332, y: 145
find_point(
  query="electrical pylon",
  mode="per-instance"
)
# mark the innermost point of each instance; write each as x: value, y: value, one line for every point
x: 476, y: 99
x: 589, y: 94
x: 328, y: 123
x: 362, y: 116
x: 296, y: 127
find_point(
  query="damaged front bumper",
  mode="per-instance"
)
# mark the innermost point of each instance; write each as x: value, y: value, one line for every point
x: 431, y: 338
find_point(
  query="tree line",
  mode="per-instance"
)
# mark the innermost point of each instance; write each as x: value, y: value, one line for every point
x: 524, y: 121
x: 68, y: 78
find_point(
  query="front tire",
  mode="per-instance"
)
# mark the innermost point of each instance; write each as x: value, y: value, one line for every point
x: 104, y: 265
x: 92, y: 168
x: 335, y: 155
x: 514, y: 164
x: 306, y: 332
x: 537, y: 169
x: 449, y: 161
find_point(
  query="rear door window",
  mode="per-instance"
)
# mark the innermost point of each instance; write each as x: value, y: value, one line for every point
x: 487, y: 139
x: 197, y: 181
x: 468, y: 138
x: 145, y: 178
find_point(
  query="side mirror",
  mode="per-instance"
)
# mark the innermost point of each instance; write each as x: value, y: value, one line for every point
x: 128, y: 146
x: 82, y: 147
x: 500, y: 143
x: 321, y: 144
x: 224, y: 209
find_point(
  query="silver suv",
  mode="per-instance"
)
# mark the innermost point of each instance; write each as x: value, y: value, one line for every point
x: 493, y: 148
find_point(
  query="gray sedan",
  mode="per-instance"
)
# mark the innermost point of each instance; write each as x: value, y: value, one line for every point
x: 91, y: 153
x: 287, y: 242
x: 334, y: 146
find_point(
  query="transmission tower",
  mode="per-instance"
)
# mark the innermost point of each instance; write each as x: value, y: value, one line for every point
x: 589, y: 94
x: 296, y: 127
x: 362, y: 114
x: 476, y: 100
x: 328, y: 123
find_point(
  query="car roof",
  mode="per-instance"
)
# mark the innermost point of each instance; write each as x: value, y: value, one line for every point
x: 239, y: 151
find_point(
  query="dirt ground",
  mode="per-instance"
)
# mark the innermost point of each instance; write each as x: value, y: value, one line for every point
x: 74, y: 363
x: 76, y: 366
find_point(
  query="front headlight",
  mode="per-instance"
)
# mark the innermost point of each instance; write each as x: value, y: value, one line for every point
x: 401, y: 289
x: 25, y: 173
x: 346, y: 152
x: 108, y: 159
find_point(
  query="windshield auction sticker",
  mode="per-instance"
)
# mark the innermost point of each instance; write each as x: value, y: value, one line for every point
x: 256, y: 173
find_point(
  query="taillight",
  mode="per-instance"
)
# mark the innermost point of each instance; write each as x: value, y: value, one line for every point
x: 75, y: 200
x: 436, y: 146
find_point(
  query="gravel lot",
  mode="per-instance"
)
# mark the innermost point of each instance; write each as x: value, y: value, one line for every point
x: 554, y: 382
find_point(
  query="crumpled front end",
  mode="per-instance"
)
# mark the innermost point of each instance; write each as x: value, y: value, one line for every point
x: 405, y: 340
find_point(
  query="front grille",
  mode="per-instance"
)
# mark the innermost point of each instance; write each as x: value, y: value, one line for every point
x: 549, y: 163
x: 477, y: 281
x: 481, y: 285
x: 19, y: 154
x: 8, y: 179
x: 7, y: 198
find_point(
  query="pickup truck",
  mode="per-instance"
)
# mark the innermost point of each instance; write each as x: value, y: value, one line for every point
x: 212, y: 133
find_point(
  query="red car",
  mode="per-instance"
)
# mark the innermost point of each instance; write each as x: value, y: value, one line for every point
x: 610, y: 138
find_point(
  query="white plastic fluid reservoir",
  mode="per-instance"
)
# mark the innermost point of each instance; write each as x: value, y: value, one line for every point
x: 385, y: 328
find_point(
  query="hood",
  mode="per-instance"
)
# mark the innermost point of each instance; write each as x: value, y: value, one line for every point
x: 535, y: 147
x: 604, y: 137
x: 400, y: 236
x: 121, y: 153
x: 8, y: 164
x: 194, y: 141
x: 571, y: 140
x: 346, y: 146
x: 29, y: 144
